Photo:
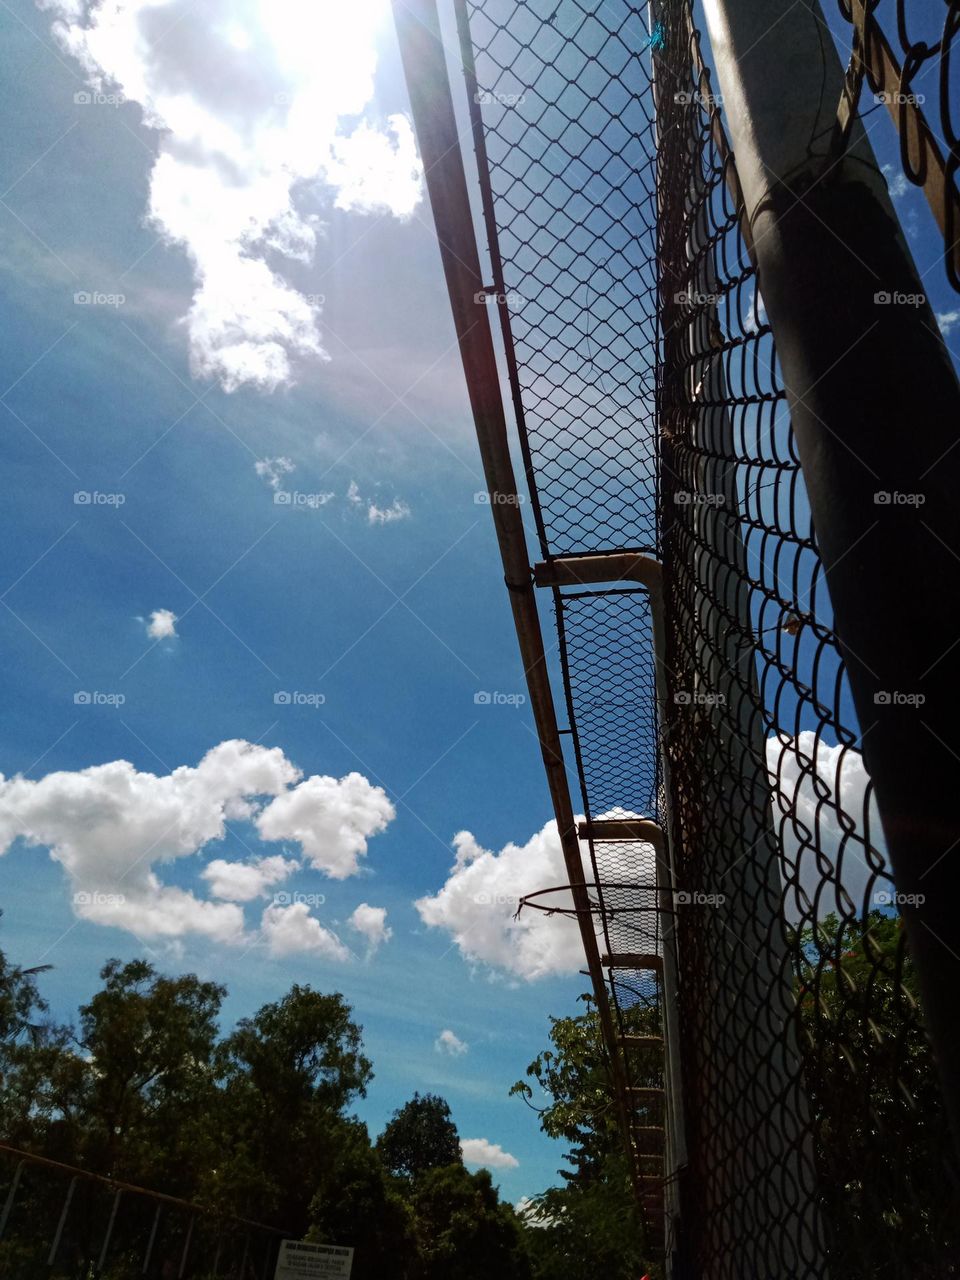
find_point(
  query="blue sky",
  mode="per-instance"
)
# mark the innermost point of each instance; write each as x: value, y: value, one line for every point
x: 397, y: 624
x: 376, y: 588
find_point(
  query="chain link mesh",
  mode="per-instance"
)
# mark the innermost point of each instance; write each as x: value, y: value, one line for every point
x: 905, y: 51
x: 652, y: 416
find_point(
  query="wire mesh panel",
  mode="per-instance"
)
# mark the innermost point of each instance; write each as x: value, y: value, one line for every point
x: 563, y: 89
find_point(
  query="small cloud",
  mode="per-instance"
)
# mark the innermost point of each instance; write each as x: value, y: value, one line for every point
x: 371, y: 922
x: 479, y: 1151
x: 353, y: 493
x: 274, y: 469
x: 292, y: 930
x: 244, y: 881
x: 450, y: 1043
x: 398, y: 510
x: 948, y: 321
x: 897, y: 183
x: 162, y: 625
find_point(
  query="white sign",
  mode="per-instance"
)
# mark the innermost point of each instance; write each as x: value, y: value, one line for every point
x: 299, y: 1260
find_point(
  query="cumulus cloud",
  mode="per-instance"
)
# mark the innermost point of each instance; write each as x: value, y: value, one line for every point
x: 293, y: 930
x: 479, y: 1151
x: 259, y: 105
x: 449, y: 1042
x: 162, y: 625
x: 244, y: 881
x: 111, y: 826
x: 948, y: 321
x: 477, y: 904
x: 273, y: 470
x: 371, y: 923
x: 330, y: 819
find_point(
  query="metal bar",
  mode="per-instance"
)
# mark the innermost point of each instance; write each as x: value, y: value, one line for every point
x: 875, y: 404
x: 150, y: 1243
x: 186, y: 1249
x: 632, y: 960
x: 11, y: 1196
x: 641, y: 830
x: 613, y: 566
x: 62, y: 1223
x: 424, y: 62
x: 106, y: 1239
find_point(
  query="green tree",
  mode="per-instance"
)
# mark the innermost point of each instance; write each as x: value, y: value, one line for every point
x: 465, y: 1232
x: 881, y: 1134
x: 420, y: 1136
x: 289, y: 1071
x: 359, y: 1203
x: 591, y: 1224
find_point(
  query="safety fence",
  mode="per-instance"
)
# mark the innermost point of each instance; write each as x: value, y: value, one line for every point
x: 65, y: 1223
x: 778, y: 1091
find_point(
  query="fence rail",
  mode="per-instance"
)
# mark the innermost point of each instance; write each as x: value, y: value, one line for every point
x: 66, y: 1223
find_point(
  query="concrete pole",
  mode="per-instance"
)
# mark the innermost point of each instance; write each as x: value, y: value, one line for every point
x: 875, y: 407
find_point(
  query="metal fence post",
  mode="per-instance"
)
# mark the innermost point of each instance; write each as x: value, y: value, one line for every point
x: 875, y: 408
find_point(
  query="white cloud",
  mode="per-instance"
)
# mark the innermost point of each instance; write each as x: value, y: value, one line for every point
x: 478, y: 1151
x: 162, y: 625
x: 398, y: 510
x: 259, y: 105
x: 449, y: 1042
x: 948, y: 321
x: 477, y: 904
x: 112, y: 826
x: 330, y: 818
x: 273, y: 470
x: 371, y: 922
x: 293, y: 930
x: 813, y: 779
x: 244, y: 881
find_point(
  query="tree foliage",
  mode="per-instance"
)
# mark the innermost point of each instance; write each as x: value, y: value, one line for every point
x: 420, y: 1136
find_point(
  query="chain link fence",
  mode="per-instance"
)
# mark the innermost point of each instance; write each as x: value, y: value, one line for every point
x: 653, y: 418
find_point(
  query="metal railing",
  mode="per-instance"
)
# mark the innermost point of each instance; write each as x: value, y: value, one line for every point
x: 66, y: 1223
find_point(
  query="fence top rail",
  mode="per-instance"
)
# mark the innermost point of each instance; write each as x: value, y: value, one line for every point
x: 117, y: 1184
